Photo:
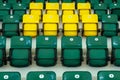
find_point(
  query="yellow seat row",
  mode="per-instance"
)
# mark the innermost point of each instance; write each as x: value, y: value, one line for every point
x: 67, y: 8
x: 90, y: 25
x: 36, y: 8
x: 50, y: 25
x: 70, y: 24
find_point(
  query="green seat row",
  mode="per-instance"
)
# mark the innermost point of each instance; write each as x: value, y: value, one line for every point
x: 71, y: 51
x: 18, y: 9
x: 12, y: 2
x: 101, y: 9
x: 68, y: 75
x: 20, y: 54
x: 91, y: 1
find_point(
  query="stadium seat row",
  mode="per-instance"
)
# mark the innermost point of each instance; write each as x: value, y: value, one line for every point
x: 68, y: 75
x: 37, y: 8
x: 97, y: 55
x: 65, y: 1
x: 70, y: 25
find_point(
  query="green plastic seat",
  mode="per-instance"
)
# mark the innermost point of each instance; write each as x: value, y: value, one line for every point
x: 67, y: 1
x: 115, y: 9
x: 97, y: 53
x: 19, y: 9
x: 109, y: 25
x: 71, y: 51
x: 77, y: 75
x: 2, y: 51
x: 100, y: 9
x: 20, y: 51
x: 10, y: 76
x: 46, y: 50
x: 11, y: 2
x: 4, y: 10
x: 10, y: 25
x: 93, y: 2
x: 53, y: 1
x: 41, y: 75
x: 115, y: 58
x: 108, y: 75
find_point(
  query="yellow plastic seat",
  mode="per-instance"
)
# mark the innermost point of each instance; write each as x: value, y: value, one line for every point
x: 84, y: 12
x: 68, y: 6
x: 38, y: 6
x: 50, y: 29
x: 90, y: 18
x: 30, y: 30
x: 70, y: 29
x: 67, y: 12
x: 35, y: 12
x: 73, y: 18
x: 90, y: 30
x: 52, y: 12
x: 83, y: 6
x: 52, y: 6
x: 28, y: 18
x: 50, y: 18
